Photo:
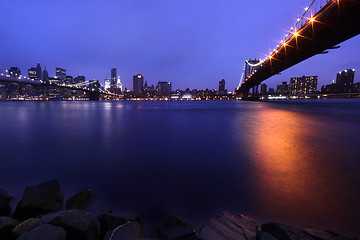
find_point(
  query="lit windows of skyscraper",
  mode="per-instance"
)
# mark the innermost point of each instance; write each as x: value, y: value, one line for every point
x: 138, y: 83
x: 303, y: 85
x: 61, y: 74
x: 113, y: 80
x: 107, y: 84
x: 35, y: 73
x: 222, y: 87
x: 118, y: 86
x: 69, y: 80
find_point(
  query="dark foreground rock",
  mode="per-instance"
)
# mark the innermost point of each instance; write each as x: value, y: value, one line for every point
x: 229, y: 226
x: 79, y: 200
x: 45, y: 232
x: 172, y: 227
x: 127, y: 231
x: 5, y: 208
x: 78, y: 224
x: 38, y: 200
x: 109, y: 220
x: 6, y: 226
x: 26, y: 226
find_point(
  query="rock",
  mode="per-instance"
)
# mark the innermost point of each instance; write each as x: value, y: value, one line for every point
x: 171, y: 227
x: 322, y: 235
x: 6, y: 226
x: 284, y: 232
x: 110, y: 220
x: 79, y: 200
x: 26, y: 226
x: 5, y: 208
x: 78, y: 224
x: 127, y: 231
x: 38, y: 200
x: 45, y: 232
x: 264, y: 236
x: 229, y: 226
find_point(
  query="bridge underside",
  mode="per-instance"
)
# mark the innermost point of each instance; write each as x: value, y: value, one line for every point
x: 338, y: 21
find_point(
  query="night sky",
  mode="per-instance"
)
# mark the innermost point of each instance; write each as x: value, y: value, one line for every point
x: 189, y: 43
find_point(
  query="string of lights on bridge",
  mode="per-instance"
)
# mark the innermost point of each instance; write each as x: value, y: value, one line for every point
x: 308, y: 16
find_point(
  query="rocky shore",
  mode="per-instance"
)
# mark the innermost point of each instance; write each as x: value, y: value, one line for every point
x: 40, y: 215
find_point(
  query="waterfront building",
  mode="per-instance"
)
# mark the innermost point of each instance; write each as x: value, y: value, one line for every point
x: 118, y: 86
x: 271, y: 91
x: 35, y: 73
x: 345, y: 81
x: 330, y: 88
x: 45, y: 75
x: 113, y: 80
x: 138, y: 83
x: 222, y: 87
x: 79, y: 79
x: 303, y: 85
x: 283, y: 89
x: 14, y: 72
x: 263, y: 89
x: 163, y: 89
x: 61, y: 74
x: 69, y: 80
x: 107, y: 84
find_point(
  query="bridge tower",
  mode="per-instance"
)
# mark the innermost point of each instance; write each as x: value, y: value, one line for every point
x: 94, y: 91
x: 250, y: 67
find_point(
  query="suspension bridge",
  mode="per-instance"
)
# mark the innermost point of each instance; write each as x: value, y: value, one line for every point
x: 321, y: 27
x: 93, y: 89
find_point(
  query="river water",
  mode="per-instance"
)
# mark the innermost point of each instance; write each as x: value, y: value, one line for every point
x: 296, y: 162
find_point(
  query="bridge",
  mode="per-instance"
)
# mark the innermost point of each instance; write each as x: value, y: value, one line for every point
x: 317, y: 30
x: 49, y: 90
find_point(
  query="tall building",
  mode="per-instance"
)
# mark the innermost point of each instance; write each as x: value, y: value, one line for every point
x: 163, y: 89
x: 61, y: 74
x: 34, y: 73
x: 107, y: 84
x: 263, y: 89
x: 69, y: 80
x: 345, y: 81
x: 138, y: 83
x: 38, y: 72
x: 45, y: 75
x: 303, y: 85
x: 222, y: 87
x: 14, y: 72
x: 113, y: 80
x: 283, y: 88
x: 118, y: 86
x: 79, y: 79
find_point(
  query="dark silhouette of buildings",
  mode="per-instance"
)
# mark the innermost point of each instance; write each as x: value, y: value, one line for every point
x: 222, y: 87
x: 35, y: 73
x: 138, y: 83
x: 263, y: 89
x: 79, y: 79
x: 163, y: 89
x: 113, y: 80
x: 61, y: 74
x: 69, y: 80
x: 283, y: 89
x: 45, y: 75
x: 345, y: 81
x: 14, y: 72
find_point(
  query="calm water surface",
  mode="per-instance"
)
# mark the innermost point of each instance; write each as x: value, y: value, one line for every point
x: 296, y: 162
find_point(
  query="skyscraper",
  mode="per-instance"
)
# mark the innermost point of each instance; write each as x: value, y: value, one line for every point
x: 61, y: 74
x: 79, y: 79
x: 35, y: 73
x: 38, y: 72
x: 345, y: 81
x: 69, y: 80
x: 107, y: 84
x: 138, y: 82
x: 113, y: 80
x: 45, y: 75
x: 164, y: 89
x: 222, y: 87
x: 303, y: 85
x: 14, y: 72
x: 263, y: 89
x: 118, y: 86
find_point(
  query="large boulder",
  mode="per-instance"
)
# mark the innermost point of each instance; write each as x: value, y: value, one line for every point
x: 6, y: 226
x: 264, y: 236
x: 284, y: 232
x: 38, y: 200
x: 78, y: 224
x: 45, y: 232
x: 5, y: 208
x: 172, y: 227
x: 26, y: 226
x: 109, y: 220
x: 79, y: 200
x: 127, y: 231
x: 229, y: 226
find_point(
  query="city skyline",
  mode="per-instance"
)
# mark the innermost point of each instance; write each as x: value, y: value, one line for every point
x: 165, y: 42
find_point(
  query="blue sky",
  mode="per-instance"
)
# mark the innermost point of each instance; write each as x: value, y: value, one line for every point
x: 191, y: 43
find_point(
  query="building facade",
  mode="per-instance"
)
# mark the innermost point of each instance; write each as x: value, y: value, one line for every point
x: 138, y: 83
x: 163, y: 89
x: 303, y: 85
